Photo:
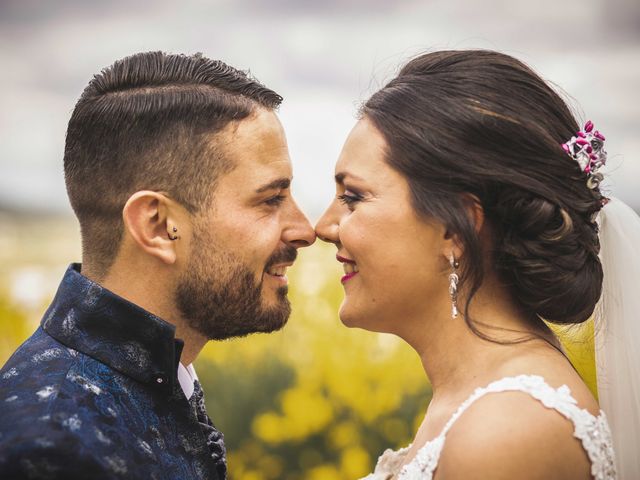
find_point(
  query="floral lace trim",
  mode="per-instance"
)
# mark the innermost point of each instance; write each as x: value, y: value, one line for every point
x: 592, y: 431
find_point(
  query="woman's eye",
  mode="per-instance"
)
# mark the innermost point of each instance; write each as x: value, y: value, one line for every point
x: 275, y: 201
x: 349, y: 199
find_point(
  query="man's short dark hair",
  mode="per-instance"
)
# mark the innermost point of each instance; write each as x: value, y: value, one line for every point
x: 146, y: 123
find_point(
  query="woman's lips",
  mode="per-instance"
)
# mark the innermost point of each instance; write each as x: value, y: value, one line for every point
x: 350, y: 268
x: 348, y: 276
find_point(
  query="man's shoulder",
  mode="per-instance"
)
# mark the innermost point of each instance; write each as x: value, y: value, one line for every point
x: 38, y: 438
x: 59, y: 454
x: 36, y: 369
x: 61, y: 413
x: 46, y: 386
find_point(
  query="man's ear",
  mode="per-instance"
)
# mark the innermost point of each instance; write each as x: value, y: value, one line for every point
x: 149, y: 221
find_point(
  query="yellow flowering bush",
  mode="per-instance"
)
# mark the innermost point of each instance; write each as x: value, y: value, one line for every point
x: 315, y: 401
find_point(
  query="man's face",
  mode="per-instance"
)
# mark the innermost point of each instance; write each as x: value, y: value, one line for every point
x: 234, y: 282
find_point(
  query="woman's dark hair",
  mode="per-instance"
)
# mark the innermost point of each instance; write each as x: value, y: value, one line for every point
x: 460, y: 124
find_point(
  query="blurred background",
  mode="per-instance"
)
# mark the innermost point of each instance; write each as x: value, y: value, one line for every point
x: 315, y: 401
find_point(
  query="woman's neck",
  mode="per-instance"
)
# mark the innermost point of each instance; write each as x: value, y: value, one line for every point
x: 456, y: 359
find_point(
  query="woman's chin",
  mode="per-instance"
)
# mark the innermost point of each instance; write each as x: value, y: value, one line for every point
x: 353, y: 317
x: 349, y: 317
x: 350, y: 322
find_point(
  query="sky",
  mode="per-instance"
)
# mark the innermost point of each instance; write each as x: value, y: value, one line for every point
x: 324, y: 58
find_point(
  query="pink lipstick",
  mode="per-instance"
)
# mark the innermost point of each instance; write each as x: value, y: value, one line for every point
x: 350, y: 268
x: 348, y: 276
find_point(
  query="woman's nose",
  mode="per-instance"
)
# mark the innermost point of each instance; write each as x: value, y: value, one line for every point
x: 327, y: 226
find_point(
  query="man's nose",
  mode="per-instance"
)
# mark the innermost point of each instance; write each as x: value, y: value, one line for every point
x: 300, y: 233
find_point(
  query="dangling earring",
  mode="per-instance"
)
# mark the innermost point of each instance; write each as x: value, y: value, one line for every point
x: 453, y: 285
x: 174, y: 237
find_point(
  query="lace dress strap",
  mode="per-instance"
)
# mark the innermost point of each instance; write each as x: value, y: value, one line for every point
x: 592, y: 431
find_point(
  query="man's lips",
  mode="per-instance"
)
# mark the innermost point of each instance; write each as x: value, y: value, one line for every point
x: 350, y: 268
x: 279, y: 262
x: 279, y: 270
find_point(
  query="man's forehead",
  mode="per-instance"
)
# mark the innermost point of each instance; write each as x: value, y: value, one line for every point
x: 257, y: 148
x: 262, y: 128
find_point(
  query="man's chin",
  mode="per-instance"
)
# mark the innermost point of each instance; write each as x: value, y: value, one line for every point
x: 275, y: 298
x: 273, y: 327
x: 274, y: 313
x: 276, y: 310
x: 272, y: 316
x: 269, y: 323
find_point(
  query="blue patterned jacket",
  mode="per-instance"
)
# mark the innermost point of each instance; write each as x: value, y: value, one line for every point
x: 94, y: 394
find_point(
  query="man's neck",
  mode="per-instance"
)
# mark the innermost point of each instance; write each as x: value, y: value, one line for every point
x: 193, y: 345
x: 155, y: 297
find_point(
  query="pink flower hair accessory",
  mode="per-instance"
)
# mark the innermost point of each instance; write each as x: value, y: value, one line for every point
x: 587, y: 148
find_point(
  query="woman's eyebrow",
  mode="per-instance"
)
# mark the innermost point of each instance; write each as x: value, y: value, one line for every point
x: 340, y: 176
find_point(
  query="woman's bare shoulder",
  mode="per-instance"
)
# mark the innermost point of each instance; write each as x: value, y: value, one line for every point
x: 512, y: 435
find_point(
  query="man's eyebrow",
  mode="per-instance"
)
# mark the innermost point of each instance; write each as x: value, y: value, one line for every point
x: 279, y: 184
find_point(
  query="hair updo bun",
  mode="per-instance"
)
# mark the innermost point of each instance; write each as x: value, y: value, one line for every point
x: 481, y: 123
x: 549, y: 260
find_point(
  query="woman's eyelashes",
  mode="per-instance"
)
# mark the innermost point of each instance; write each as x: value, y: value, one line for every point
x: 349, y: 198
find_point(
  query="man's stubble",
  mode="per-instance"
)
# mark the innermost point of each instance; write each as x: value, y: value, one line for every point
x: 219, y: 296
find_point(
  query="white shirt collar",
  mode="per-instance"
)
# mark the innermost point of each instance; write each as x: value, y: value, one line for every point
x: 186, y: 377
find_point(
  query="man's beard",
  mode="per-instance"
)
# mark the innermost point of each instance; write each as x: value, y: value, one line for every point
x: 219, y: 297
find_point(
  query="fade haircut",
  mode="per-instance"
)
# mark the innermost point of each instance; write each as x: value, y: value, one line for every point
x: 146, y: 123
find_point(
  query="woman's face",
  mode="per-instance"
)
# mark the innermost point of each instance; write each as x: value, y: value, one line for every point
x: 396, y: 268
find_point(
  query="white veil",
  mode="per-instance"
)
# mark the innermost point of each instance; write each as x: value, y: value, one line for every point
x: 617, y: 337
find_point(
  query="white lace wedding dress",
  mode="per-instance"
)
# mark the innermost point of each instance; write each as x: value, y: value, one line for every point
x: 592, y: 431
